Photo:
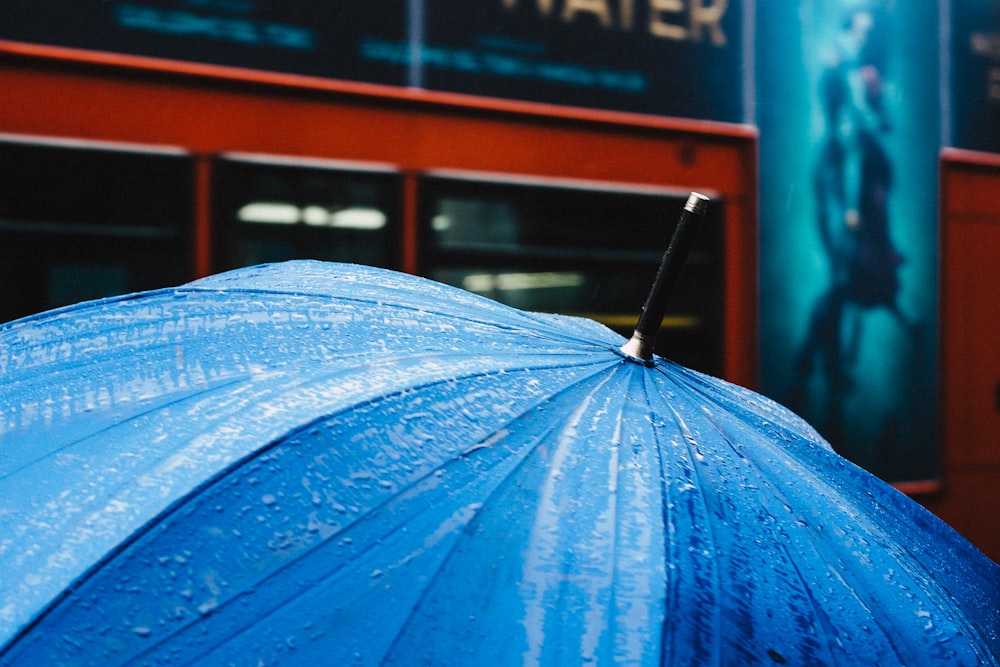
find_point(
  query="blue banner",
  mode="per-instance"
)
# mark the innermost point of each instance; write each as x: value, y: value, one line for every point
x: 849, y: 121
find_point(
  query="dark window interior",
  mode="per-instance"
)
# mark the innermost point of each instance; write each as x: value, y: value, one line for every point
x: 577, y: 251
x: 80, y: 221
x: 271, y: 212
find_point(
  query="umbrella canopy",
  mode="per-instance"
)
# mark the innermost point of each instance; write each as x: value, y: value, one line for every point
x: 319, y: 463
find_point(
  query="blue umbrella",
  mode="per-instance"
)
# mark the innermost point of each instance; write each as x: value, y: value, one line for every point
x: 312, y: 463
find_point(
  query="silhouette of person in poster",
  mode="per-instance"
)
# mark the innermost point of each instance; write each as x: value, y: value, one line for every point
x: 852, y: 180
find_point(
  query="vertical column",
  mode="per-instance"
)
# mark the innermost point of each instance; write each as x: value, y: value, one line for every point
x: 203, y: 232
x: 410, y: 237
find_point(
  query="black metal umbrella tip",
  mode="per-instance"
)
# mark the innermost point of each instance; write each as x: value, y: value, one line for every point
x: 640, y: 346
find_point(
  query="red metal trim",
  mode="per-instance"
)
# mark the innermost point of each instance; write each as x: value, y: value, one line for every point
x: 203, y: 263
x: 148, y: 64
x: 920, y: 488
x: 964, y: 157
x: 741, y: 331
x: 410, y: 250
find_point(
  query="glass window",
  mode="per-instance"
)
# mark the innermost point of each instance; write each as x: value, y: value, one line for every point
x: 272, y: 210
x: 81, y: 220
x: 578, y: 250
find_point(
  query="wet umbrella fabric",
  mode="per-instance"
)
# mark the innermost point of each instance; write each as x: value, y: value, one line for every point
x: 316, y: 463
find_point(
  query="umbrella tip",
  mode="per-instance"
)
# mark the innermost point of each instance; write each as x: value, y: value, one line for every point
x: 640, y: 346
x: 697, y: 203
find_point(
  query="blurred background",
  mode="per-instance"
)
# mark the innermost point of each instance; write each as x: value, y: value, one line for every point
x: 538, y: 153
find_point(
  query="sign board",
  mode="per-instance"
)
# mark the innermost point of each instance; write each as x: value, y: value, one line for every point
x: 849, y: 127
x: 669, y: 57
x: 297, y: 36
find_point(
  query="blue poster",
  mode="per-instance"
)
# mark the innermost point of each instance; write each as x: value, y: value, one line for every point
x: 849, y: 120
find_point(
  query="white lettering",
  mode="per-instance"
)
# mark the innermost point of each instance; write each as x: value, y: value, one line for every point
x: 658, y: 26
x: 627, y: 14
x: 676, y: 20
x: 985, y: 44
x: 598, y: 8
x: 709, y: 16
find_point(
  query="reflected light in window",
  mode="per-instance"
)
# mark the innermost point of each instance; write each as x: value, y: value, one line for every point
x: 276, y: 213
x: 317, y: 216
x: 269, y: 213
x: 486, y: 282
x: 358, y: 218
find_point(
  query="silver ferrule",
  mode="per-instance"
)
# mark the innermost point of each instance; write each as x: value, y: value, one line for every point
x: 638, y: 347
x: 697, y: 203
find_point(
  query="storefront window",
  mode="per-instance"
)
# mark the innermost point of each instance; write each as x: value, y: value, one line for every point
x: 579, y: 249
x: 82, y: 220
x: 271, y: 210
